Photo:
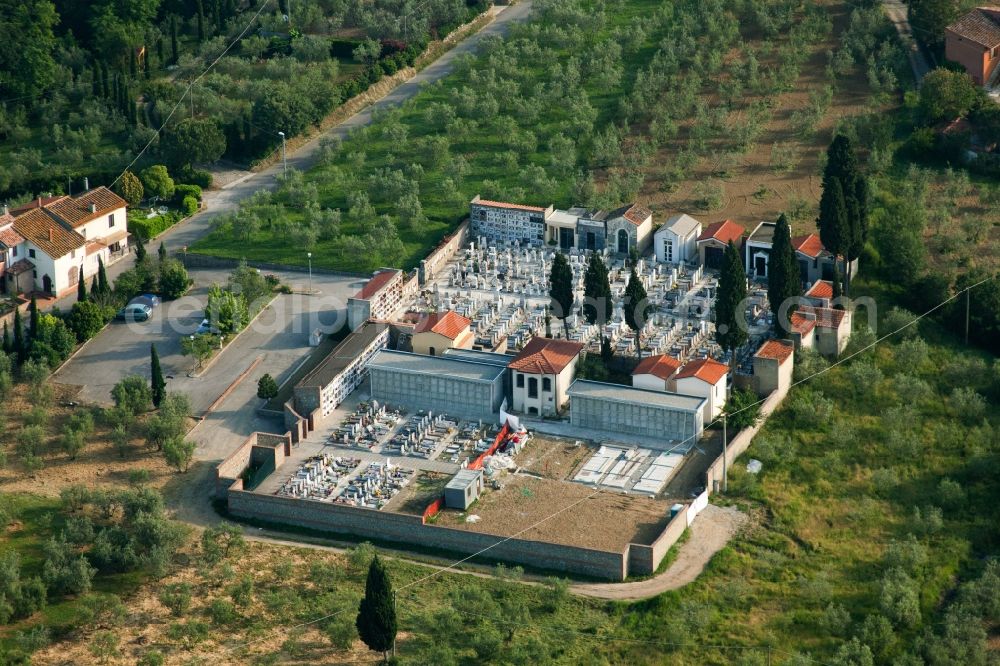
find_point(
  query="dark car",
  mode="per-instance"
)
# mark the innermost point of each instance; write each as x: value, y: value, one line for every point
x: 152, y: 300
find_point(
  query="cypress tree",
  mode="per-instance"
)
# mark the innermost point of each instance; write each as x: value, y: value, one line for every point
x: 730, y: 321
x: 33, y: 318
x: 834, y: 228
x: 94, y: 290
x: 842, y: 167
x: 95, y: 85
x: 607, y: 353
x: 162, y: 252
x: 636, y: 306
x: 174, y: 47
x: 133, y: 64
x: 561, y: 289
x: 201, y: 21
x: 7, y: 345
x: 81, y: 288
x: 597, y: 305
x: 157, y: 383
x: 376, y: 621
x: 102, y: 278
x: 220, y: 20
x: 19, y: 347
x: 140, y: 249
x: 160, y: 60
x: 784, y: 280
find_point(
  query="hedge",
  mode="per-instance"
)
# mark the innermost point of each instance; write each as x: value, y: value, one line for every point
x: 183, y: 191
x: 147, y: 228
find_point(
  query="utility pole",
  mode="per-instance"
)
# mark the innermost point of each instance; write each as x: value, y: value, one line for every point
x: 725, y: 455
x: 394, y: 613
x: 192, y: 98
x: 284, y: 161
x: 310, y: 256
x: 967, y: 315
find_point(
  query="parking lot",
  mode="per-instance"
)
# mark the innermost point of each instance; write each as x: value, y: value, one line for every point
x: 279, y: 337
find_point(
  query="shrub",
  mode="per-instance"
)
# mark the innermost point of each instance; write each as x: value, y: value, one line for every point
x: 86, y: 319
x: 177, y: 598
x: 189, y: 206
x: 133, y: 394
x: 174, y: 280
x: 222, y: 612
x: 183, y: 191
x: 179, y: 452
x: 967, y: 403
x: 199, y: 177
x: 899, y: 598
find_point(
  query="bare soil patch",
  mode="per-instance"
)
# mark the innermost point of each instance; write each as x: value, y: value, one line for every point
x: 553, y: 458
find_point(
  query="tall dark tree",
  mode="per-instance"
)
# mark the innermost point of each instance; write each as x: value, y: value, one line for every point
x: 8, y: 346
x: 842, y: 166
x: 103, y: 286
x: 561, y: 289
x: 730, y: 320
x: 20, y: 348
x: 157, y: 383
x: 784, y: 282
x: 162, y: 252
x: 636, y: 305
x: 597, y: 306
x: 174, y: 47
x: 140, y: 248
x: 834, y: 228
x: 33, y: 318
x: 376, y: 620
x: 81, y: 288
x: 201, y: 21
x: 94, y: 289
x: 929, y: 18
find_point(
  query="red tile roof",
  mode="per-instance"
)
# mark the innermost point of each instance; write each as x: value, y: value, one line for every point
x: 724, y: 232
x: 450, y: 324
x: 545, y: 356
x: 660, y: 365
x: 77, y: 211
x: 52, y: 238
x: 373, y: 286
x: 981, y: 26
x: 9, y: 238
x: 801, y: 324
x: 809, y: 245
x: 825, y: 317
x: 36, y: 203
x: 501, y: 204
x: 820, y: 289
x: 706, y: 369
x: 632, y: 212
x: 777, y: 350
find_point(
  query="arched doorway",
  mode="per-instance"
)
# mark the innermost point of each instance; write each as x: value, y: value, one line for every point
x: 47, y: 283
x: 622, y: 241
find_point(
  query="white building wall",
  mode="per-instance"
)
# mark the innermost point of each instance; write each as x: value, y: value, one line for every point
x: 649, y: 382
x: 715, y: 394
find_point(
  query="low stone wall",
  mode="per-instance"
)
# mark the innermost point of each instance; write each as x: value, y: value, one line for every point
x: 396, y: 527
x: 442, y: 254
x: 195, y: 260
x: 741, y: 442
x: 260, y: 448
x: 296, y: 424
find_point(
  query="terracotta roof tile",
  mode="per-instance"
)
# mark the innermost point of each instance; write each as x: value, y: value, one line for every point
x: 545, y: 356
x: 632, y: 212
x: 777, y: 350
x: 77, y: 211
x: 660, y: 365
x: 36, y: 203
x: 450, y: 324
x: 825, y: 317
x: 724, y: 232
x: 820, y: 289
x: 373, y: 286
x: 52, y: 238
x: 9, y: 238
x: 981, y: 25
x: 501, y: 204
x: 801, y: 324
x: 706, y: 369
x: 809, y: 245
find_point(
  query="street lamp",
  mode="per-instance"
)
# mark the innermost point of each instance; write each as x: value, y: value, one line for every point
x: 284, y: 162
x: 309, y: 255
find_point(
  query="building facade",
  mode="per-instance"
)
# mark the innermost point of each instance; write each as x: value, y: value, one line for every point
x: 973, y: 41
x: 501, y: 222
x: 438, y: 331
x: 380, y: 298
x: 705, y: 378
x: 772, y: 367
x: 541, y: 374
x: 656, y: 373
x: 713, y: 241
x: 676, y: 241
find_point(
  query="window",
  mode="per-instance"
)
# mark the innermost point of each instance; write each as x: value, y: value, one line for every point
x: 533, y: 387
x: 520, y: 380
x: 15, y: 250
x: 111, y: 220
x: 670, y: 251
x: 31, y: 253
x: 431, y: 351
x: 546, y: 384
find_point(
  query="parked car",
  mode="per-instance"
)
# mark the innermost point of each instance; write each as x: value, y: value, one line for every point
x: 134, y: 312
x: 206, y: 327
x: 152, y: 300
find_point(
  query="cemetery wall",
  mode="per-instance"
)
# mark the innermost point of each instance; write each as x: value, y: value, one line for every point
x: 388, y: 526
x: 644, y: 560
x: 741, y: 442
x: 442, y: 254
x: 261, y: 448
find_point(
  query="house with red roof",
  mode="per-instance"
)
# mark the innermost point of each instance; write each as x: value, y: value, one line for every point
x: 772, y: 367
x: 803, y: 330
x: 656, y: 373
x: 973, y: 41
x: 820, y: 293
x: 541, y: 373
x: 815, y: 261
x: 380, y: 298
x: 704, y: 378
x: 833, y: 328
x: 713, y: 240
x: 438, y: 331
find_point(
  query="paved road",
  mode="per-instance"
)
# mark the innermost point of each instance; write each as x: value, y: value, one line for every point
x: 896, y: 11
x: 220, y: 202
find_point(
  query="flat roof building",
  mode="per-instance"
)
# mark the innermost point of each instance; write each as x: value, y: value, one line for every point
x: 667, y: 417
x: 455, y: 386
x: 463, y: 489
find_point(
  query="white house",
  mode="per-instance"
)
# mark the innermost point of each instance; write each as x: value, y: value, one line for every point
x: 656, y: 373
x: 542, y: 373
x: 705, y: 378
x: 676, y: 242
